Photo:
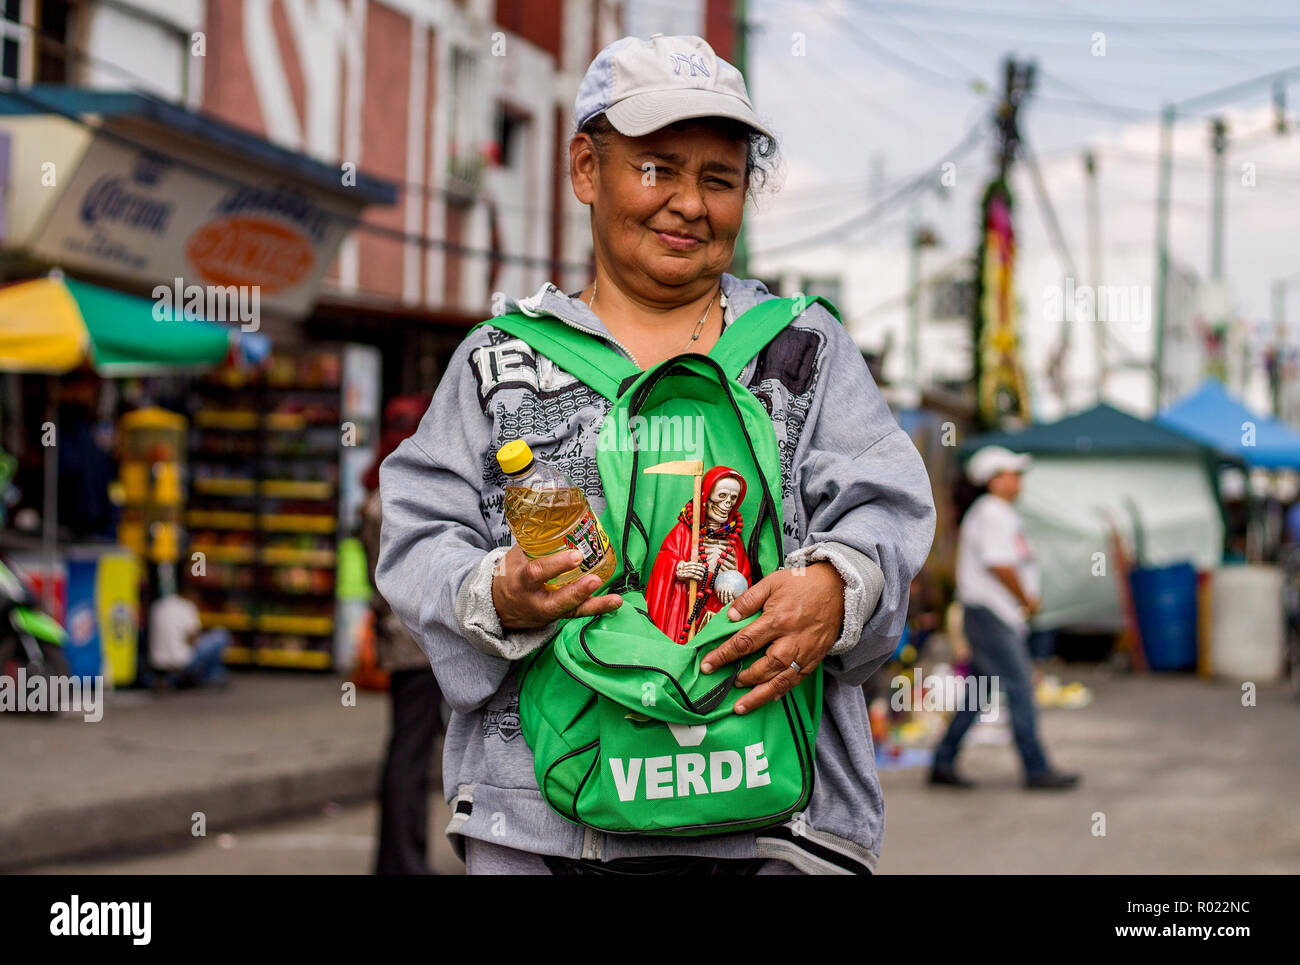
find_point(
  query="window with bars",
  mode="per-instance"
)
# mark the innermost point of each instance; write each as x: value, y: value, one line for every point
x: 33, y: 39
x: 15, y: 42
x: 54, y: 21
x: 466, y: 154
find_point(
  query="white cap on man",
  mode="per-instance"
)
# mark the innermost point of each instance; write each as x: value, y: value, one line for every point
x: 993, y: 460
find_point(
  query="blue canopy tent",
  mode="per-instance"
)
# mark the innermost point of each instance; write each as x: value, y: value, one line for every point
x: 1216, y: 418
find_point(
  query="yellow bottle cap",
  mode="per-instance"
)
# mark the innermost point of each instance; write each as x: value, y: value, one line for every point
x: 515, y: 456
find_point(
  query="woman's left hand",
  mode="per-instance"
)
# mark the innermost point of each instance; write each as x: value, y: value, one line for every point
x: 803, y: 613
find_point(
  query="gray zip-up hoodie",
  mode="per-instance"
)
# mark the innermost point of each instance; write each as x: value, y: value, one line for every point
x: 854, y: 493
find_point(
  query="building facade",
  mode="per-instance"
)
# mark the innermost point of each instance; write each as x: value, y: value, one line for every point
x: 463, y: 105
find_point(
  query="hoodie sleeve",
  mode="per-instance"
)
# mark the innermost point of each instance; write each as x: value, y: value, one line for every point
x: 434, y: 534
x: 863, y: 488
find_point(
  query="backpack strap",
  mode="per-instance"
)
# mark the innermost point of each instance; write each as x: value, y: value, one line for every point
x: 590, y: 359
x: 586, y: 357
x: 749, y: 334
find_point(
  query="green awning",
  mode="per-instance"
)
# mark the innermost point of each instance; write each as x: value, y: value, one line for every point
x: 56, y: 324
x: 127, y: 338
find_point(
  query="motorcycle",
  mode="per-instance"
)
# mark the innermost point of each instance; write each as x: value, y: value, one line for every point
x: 29, y: 639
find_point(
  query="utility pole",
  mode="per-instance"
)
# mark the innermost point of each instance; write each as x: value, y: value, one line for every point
x: 1163, y: 186
x: 914, y: 298
x: 1018, y: 83
x: 1279, y: 343
x: 1093, y: 213
x: 740, y: 24
x: 919, y: 237
x: 1165, y: 176
x: 1281, y: 399
x: 1219, y: 142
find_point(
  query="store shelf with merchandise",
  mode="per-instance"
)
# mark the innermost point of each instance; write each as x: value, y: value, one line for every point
x: 264, y: 507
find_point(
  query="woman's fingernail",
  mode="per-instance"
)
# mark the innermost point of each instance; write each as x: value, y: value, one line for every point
x: 741, y: 708
x: 733, y: 614
x: 707, y: 667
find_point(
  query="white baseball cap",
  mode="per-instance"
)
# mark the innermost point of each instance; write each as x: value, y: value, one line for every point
x: 992, y: 460
x: 643, y: 85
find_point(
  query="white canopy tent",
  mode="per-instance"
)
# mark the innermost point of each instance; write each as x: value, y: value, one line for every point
x: 1100, y: 468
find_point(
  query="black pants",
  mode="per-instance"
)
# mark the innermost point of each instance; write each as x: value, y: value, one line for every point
x: 658, y: 865
x: 404, y: 788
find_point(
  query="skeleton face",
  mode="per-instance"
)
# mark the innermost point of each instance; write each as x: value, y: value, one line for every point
x: 722, y: 500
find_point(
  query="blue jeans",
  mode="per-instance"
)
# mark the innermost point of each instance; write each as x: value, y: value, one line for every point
x: 1042, y: 644
x: 998, y: 650
x: 205, y: 666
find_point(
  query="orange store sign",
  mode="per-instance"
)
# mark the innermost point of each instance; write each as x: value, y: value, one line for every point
x: 250, y: 251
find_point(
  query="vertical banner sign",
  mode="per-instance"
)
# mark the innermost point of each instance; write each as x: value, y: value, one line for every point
x: 117, y: 607
x: 83, y: 650
x: 1001, y: 386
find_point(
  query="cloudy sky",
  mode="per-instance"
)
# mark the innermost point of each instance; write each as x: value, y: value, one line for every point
x: 869, y: 94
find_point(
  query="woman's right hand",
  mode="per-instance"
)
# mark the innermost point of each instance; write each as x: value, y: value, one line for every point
x: 524, y: 602
x: 686, y: 570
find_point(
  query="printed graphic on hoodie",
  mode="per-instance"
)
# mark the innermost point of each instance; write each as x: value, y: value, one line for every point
x: 503, y: 723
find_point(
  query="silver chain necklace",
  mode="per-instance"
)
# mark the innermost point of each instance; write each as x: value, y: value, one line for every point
x: 699, y: 326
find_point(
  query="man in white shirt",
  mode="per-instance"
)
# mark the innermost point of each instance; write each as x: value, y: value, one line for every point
x: 998, y: 587
x: 177, y: 649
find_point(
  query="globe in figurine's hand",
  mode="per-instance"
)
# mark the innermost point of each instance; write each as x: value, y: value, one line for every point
x: 729, y: 584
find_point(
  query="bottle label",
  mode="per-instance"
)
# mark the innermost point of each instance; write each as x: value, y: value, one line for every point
x: 588, y: 537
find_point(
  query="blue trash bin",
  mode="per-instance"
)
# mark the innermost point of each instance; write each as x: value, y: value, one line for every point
x: 1165, y: 600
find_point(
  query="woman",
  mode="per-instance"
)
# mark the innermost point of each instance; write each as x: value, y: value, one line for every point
x: 667, y: 148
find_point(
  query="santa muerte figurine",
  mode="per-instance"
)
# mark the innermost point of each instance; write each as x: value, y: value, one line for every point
x: 701, y: 566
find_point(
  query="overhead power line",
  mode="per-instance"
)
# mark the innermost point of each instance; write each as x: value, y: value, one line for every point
x: 930, y: 11
x: 883, y: 53
x: 1085, y: 100
x: 1045, y: 203
x: 923, y: 179
x: 976, y: 78
x: 1149, y: 30
x: 1048, y: 35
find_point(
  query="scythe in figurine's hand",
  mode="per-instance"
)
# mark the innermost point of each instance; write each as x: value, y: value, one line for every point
x: 695, y: 468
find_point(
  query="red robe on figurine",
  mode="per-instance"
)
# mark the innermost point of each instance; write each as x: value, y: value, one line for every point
x: 668, y: 594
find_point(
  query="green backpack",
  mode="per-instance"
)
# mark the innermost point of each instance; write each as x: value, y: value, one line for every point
x: 628, y: 734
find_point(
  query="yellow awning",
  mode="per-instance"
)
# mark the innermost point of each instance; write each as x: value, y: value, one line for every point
x: 41, y: 328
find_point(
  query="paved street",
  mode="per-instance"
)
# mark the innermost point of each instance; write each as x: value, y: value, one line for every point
x: 269, y: 745
x: 1187, y: 779
x: 337, y: 841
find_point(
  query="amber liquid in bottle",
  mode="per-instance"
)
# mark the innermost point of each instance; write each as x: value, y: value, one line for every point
x: 549, y: 514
